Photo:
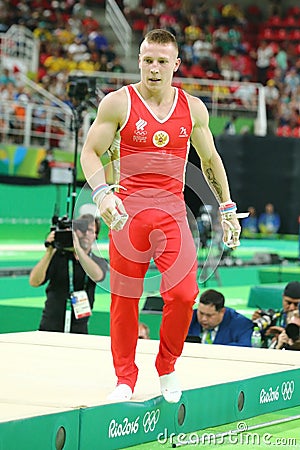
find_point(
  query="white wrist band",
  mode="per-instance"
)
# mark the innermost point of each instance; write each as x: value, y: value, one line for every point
x: 101, y: 191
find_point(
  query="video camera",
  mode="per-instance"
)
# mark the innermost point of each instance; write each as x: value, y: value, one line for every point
x: 80, y: 88
x: 63, y: 227
x: 268, y: 319
x: 293, y: 331
x: 204, y: 223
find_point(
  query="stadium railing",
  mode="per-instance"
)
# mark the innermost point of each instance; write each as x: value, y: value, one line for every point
x: 119, y: 25
x: 218, y: 95
x: 46, y: 121
x: 19, y: 49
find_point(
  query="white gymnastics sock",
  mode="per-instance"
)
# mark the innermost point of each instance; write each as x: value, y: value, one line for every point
x: 122, y: 393
x: 170, y: 388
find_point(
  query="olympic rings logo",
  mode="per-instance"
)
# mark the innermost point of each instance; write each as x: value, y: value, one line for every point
x: 150, y: 420
x: 287, y: 389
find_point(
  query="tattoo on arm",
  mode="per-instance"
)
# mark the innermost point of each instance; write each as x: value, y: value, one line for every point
x: 214, y: 184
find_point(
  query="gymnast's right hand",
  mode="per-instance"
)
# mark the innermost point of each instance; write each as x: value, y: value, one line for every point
x: 113, y: 212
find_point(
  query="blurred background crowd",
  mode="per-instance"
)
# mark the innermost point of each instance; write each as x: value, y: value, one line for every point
x: 234, y: 41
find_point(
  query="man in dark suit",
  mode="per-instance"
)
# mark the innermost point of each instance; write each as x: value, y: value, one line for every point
x: 216, y: 324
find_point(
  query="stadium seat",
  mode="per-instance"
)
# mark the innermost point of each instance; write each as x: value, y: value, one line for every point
x: 294, y: 35
x: 284, y: 131
x: 297, y: 49
x: 267, y: 33
x: 282, y: 34
x: 295, y: 132
x: 274, y: 21
x: 289, y: 22
x: 293, y: 11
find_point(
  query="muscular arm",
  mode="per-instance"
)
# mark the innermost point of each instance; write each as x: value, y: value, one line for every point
x: 101, y: 135
x: 214, y: 171
x: 211, y: 163
x: 111, y: 114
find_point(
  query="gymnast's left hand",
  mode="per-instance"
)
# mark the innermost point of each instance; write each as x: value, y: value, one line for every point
x: 231, y: 230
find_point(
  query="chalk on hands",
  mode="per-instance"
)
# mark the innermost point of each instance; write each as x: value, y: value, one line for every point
x: 118, y: 221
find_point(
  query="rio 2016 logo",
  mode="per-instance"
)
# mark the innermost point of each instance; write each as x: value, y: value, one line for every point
x: 127, y: 427
x: 150, y: 420
x: 287, y: 389
x: 273, y: 395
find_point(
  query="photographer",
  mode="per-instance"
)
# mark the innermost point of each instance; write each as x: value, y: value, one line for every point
x: 44, y: 169
x: 289, y: 338
x: 271, y: 323
x: 71, y: 272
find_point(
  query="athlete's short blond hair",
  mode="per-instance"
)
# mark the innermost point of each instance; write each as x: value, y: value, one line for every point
x: 159, y: 36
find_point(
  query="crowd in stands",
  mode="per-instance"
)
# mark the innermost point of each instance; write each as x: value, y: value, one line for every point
x: 232, y: 42
x: 217, y: 41
x: 70, y: 37
x: 267, y: 223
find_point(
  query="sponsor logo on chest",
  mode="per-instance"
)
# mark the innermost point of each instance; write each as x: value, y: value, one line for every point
x: 140, y: 134
x: 160, y: 138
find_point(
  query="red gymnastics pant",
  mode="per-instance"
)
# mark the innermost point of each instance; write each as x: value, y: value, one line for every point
x: 164, y: 235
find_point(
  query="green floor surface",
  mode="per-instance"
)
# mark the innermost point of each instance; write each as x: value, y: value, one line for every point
x: 22, y: 304
x: 241, y: 435
x: 24, y: 313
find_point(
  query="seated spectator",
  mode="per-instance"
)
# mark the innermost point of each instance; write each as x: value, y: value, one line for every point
x: 55, y: 62
x: 227, y: 71
x: 250, y: 223
x: 187, y: 51
x: 291, y: 81
x: 283, y: 115
x: 246, y: 93
x: 6, y: 78
x: 150, y: 25
x: 78, y: 50
x: 273, y: 322
x: 229, y: 127
x: 42, y: 33
x: 89, y: 23
x: 235, y: 38
x: 202, y: 49
x: 263, y: 56
x: 103, y: 63
x: 117, y: 66
x: 216, y: 324
x: 99, y: 40
x: 269, y: 221
x: 271, y: 97
x: 233, y: 14
x: 220, y: 39
x: 79, y: 9
x: 64, y: 35
x: 7, y: 92
x: 281, y: 58
x: 242, y: 63
x: 144, y: 331
x: 193, y: 31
